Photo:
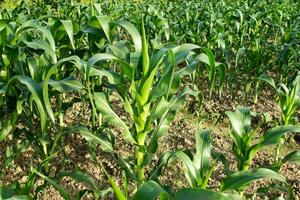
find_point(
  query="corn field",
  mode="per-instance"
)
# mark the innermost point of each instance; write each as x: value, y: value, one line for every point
x: 149, y: 100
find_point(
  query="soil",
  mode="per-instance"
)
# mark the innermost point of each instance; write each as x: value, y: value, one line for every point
x: 180, y: 136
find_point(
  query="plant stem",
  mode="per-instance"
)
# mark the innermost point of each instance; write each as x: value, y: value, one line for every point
x: 255, y: 98
x: 279, y: 145
x: 278, y: 148
x: 212, y: 168
x: 139, y: 169
x: 141, y: 176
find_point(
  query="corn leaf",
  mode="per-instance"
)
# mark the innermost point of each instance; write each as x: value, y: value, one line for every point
x: 66, y: 85
x: 273, y: 136
x: 149, y: 191
x: 92, y: 138
x: 110, y: 116
x: 52, y: 71
x: 203, y: 151
x: 241, y: 179
x: 104, y: 22
x: 199, y: 194
x: 36, y: 92
x: 59, y: 188
x: 293, y: 157
x: 68, y: 26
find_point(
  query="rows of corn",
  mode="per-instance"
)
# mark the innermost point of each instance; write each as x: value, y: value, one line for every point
x: 152, y: 57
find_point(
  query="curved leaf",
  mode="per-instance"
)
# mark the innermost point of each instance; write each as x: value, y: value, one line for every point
x: 36, y: 92
x: 273, y: 135
x: 190, y: 169
x: 136, y: 37
x: 80, y: 176
x: 59, y: 188
x: 293, y: 157
x: 241, y: 179
x: 92, y: 138
x: 68, y: 26
x: 127, y: 69
x: 104, y: 22
x: 41, y: 44
x: 66, y: 85
x: 203, y: 151
x: 267, y: 79
x: 182, y: 51
x: 110, y: 116
x: 199, y: 194
x: 149, y: 191
x: 52, y: 71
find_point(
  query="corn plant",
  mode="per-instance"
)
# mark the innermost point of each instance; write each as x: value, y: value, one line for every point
x: 44, y: 56
x: 243, y: 135
x: 151, y: 94
x: 289, y: 100
x: 197, y: 171
x: 288, y: 103
x: 26, y: 79
x: 198, y: 166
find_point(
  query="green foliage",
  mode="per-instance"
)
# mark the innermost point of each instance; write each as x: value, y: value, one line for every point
x: 150, y: 58
x: 242, y: 135
x: 198, y: 166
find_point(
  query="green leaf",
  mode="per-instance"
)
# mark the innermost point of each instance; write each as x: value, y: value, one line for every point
x: 127, y: 69
x: 11, y: 193
x: 164, y: 84
x: 68, y: 26
x: 165, y: 118
x: 80, y: 176
x: 110, y: 116
x: 203, y: 151
x: 93, y: 139
x: 293, y: 157
x: 181, y: 52
x: 240, y: 123
x: 36, y: 92
x: 222, y: 76
x: 52, y: 70
x: 104, y: 22
x: 117, y: 190
x: 239, y: 180
x: 274, y: 135
x: 149, y: 191
x: 267, y: 79
x: 137, y: 40
x: 66, y: 85
x: 41, y: 44
x: 200, y: 194
x: 32, y: 24
x: 212, y: 68
x: 239, y: 54
x: 59, y: 188
x: 10, y: 124
x: 145, y: 50
x: 190, y: 169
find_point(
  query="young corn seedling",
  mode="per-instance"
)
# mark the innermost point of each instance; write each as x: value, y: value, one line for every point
x: 243, y: 135
x: 198, y: 169
x: 288, y: 101
x: 244, y: 150
x: 198, y: 166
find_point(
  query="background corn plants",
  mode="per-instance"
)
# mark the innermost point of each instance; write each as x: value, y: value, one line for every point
x: 151, y: 58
